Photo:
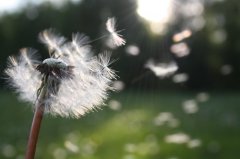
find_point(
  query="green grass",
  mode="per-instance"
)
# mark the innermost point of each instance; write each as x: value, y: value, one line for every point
x: 129, y: 133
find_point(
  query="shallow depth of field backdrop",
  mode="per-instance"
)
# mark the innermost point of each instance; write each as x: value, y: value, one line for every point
x: 157, y: 112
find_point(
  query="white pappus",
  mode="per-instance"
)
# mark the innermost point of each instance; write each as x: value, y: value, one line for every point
x: 115, y: 38
x: 77, y: 82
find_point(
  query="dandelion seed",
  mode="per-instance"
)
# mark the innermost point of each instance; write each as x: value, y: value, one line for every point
x: 129, y: 156
x: 178, y: 138
x: 180, y: 49
x: 8, y: 151
x: 180, y: 78
x: 202, y: 97
x: 194, y: 143
x: 114, y: 105
x: 130, y: 147
x: 166, y: 118
x: 115, y: 38
x: 182, y: 35
x: 190, y: 106
x: 226, y: 69
x: 59, y: 153
x: 132, y: 50
x: 71, y: 146
x: 162, y: 69
x: 53, y: 41
x: 118, y: 85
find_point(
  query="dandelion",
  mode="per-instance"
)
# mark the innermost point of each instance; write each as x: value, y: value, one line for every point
x: 115, y: 38
x: 70, y: 83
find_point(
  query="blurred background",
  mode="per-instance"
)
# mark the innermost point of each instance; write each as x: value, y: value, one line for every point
x: 178, y: 88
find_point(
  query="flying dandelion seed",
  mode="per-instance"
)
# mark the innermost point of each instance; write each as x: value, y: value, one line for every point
x: 114, y: 105
x: 180, y: 78
x: 8, y: 151
x: 178, y: 138
x: 132, y: 50
x: 115, y: 38
x: 180, y: 49
x: 71, y: 147
x: 219, y: 36
x: 194, y: 143
x: 202, y: 97
x: 60, y: 153
x: 118, y: 85
x: 162, y: 69
x: 166, y: 118
x: 129, y: 156
x: 182, y: 35
x: 130, y: 148
x: 226, y: 70
x: 190, y: 106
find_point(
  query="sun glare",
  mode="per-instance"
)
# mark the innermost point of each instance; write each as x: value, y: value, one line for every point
x: 157, y: 12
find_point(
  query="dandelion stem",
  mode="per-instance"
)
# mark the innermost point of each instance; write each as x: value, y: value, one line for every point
x: 36, y: 122
x: 33, y: 137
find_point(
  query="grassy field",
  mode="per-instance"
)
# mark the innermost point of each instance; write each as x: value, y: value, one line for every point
x: 147, y: 125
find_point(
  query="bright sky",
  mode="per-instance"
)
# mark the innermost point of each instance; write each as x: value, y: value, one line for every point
x: 157, y: 12
x: 10, y: 5
x: 14, y: 5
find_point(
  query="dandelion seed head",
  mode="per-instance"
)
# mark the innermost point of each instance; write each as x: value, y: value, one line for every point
x: 76, y: 81
x: 55, y: 62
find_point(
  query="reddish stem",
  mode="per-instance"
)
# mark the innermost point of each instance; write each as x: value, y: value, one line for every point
x: 33, y: 137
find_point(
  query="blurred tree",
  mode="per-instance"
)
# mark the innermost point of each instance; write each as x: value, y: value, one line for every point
x: 208, y: 51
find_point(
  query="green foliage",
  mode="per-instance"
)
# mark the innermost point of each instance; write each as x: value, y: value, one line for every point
x: 130, y: 132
